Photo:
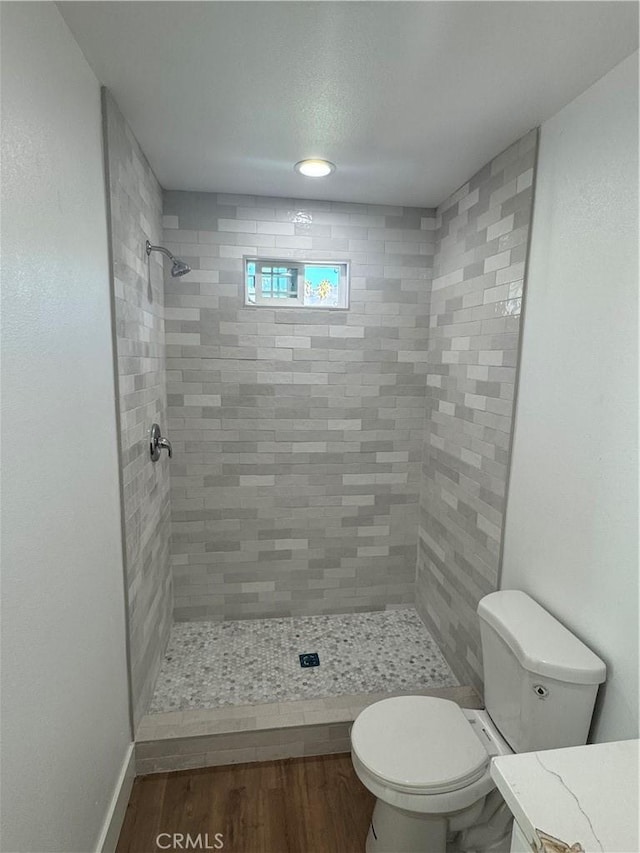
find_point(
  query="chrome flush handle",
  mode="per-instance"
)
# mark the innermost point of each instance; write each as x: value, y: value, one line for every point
x: 158, y: 443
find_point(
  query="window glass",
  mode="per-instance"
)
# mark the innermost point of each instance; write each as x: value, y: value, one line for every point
x: 296, y: 283
x: 322, y: 285
x: 251, y: 280
x: 279, y: 282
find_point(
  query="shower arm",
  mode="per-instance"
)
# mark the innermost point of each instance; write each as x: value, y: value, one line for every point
x: 179, y: 267
x: 164, y: 251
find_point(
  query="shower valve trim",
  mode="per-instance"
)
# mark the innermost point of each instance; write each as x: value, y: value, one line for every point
x: 158, y: 443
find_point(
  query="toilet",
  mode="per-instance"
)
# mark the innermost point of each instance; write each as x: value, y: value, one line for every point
x: 427, y: 760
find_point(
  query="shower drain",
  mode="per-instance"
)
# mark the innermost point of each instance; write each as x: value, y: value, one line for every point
x: 309, y: 659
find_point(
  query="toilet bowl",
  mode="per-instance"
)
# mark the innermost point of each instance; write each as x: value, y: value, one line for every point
x: 427, y: 762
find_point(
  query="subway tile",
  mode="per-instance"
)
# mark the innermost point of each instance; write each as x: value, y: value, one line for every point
x: 243, y: 226
x: 136, y: 209
x: 324, y: 406
x: 477, y: 285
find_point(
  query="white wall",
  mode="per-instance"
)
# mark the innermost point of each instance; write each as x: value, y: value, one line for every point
x: 572, y: 519
x: 65, y: 725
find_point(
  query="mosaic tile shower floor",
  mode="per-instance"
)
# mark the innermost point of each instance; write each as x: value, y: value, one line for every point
x: 210, y: 664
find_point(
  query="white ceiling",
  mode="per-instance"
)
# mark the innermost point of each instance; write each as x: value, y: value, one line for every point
x: 409, y: 99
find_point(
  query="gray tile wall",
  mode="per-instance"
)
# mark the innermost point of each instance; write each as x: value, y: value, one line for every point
x: 136, y: 214
x: 297, y: 432
x: 482, y: 236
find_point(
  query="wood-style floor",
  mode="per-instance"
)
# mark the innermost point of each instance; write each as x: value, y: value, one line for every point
x: 300, y: 805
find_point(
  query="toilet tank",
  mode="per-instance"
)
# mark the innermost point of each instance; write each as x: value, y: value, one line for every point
x: 540, y: 680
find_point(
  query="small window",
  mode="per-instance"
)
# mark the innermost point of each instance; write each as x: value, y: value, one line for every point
x: 296, y: 284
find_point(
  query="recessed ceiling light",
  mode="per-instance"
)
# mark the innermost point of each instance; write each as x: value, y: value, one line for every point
x: 314, y: 168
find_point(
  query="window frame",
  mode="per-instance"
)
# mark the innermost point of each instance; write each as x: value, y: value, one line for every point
x: 289, y: 301
x: 300, y: 265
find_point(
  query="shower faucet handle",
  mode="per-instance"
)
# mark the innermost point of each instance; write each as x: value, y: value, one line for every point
x: 158, y: 443
x: 165, y: 444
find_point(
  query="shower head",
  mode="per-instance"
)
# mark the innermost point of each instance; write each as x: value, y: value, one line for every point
x: 179, y: 267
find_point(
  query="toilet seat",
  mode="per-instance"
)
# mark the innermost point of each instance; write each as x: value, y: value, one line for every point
x: 418, y: 745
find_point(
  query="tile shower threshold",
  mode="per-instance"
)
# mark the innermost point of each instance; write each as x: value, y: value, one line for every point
x: 281, y: 715
x: 230, y: 734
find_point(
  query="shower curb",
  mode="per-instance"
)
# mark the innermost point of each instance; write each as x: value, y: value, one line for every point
x: 234, y: 734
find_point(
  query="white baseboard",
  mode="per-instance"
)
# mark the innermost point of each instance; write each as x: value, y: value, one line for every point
x: 108, y: 840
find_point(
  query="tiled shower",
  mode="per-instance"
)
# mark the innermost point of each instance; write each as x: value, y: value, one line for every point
x: 338, y: 477
x: 297, y: 431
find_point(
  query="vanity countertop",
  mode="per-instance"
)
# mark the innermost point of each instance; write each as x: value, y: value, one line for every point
x: 585, y: 796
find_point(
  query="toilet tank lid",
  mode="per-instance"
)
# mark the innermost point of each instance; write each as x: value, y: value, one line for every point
x: 540, y: 643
